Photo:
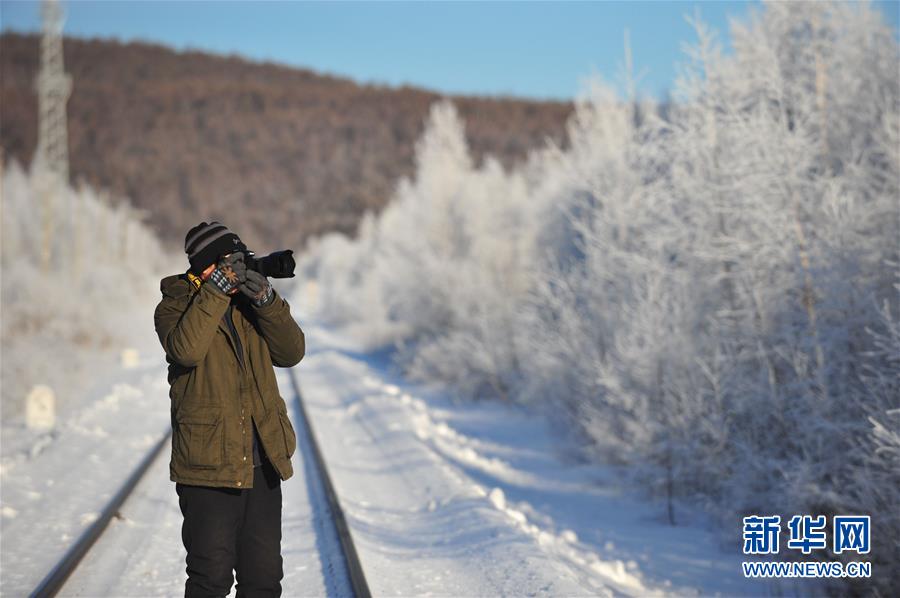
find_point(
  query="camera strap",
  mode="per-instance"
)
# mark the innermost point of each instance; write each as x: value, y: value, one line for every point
x: 196, y: 281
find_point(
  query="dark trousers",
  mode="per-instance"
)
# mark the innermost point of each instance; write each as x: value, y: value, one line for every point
x: 229, y: 529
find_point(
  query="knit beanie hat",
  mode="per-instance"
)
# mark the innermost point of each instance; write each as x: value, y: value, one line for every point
x: 207, y: 241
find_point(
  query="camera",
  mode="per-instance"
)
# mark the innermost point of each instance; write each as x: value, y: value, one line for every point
x: 278, y: 264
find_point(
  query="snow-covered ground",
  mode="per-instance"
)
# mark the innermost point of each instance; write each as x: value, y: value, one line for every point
x: 54, y: 486
x: 470, y: 499
x: 442, y: 498
x: 141, y: 554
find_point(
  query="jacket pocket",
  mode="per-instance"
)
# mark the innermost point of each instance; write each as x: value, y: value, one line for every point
x: 290, y: 438
x: 201, y: 436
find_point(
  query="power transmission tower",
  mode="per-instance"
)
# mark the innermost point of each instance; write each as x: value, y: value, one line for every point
x: 53, y: 87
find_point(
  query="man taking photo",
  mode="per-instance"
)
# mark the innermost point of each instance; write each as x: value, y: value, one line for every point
x: 223, y: 327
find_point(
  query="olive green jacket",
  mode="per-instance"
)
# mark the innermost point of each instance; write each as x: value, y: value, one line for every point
x: 212, y: 397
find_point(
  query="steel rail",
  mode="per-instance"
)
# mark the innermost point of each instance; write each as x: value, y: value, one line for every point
x: 354, y: 568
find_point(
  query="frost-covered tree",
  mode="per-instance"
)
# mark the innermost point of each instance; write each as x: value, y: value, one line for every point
x: 704, y: 293
x: 97, y: 297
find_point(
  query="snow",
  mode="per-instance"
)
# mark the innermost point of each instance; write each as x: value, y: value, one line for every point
x: 141, y: 552
x: 442, y: 497
x: 54, y: 484
x: 448, y: 498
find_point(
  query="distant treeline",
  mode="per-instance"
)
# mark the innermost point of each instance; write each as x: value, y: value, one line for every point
x: 279, y: 153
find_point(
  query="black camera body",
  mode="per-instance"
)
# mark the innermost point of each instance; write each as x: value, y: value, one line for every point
x: 278, y: 264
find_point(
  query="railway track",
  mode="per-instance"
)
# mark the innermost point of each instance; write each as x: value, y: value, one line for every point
x: 56, y: 578
x: 348, y: 550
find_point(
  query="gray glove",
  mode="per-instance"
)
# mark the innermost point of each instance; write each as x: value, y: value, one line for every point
x: 258, y: 288
x: 227, y: 274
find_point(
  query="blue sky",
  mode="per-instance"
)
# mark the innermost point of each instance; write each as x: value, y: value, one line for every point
x: 535, y: 49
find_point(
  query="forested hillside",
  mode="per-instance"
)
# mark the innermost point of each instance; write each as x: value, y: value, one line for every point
x: 277, y: 153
